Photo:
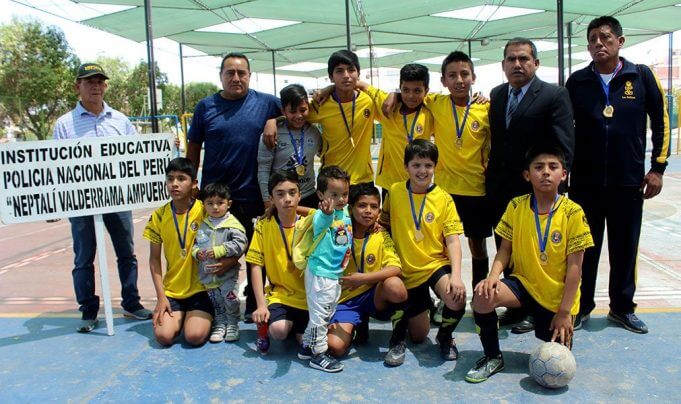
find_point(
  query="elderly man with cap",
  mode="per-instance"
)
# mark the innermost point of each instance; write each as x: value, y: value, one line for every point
x: 92, y: 117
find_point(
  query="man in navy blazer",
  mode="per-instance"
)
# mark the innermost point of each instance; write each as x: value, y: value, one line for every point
x: 523, y: 113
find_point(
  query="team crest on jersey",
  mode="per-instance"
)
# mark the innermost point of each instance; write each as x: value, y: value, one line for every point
x: 556, y: 237
x: 194, y: 226
x: 371, y: 258
x: 419, y: 129
x: 629, y: 91
x: 430, y: 217
x: 475, y: 126
x: 366, y: 112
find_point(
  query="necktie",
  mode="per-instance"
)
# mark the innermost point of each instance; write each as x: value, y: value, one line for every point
x: 512, y: 105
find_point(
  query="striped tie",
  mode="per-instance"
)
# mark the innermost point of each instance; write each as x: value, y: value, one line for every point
x: 512, y: 104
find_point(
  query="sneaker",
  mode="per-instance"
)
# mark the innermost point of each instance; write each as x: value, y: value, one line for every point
x: 395, y: 355
x: 448, y: 349
x: 484, y: 368
x: 88, y: 325
x: 217, y: 333
x: 232, y: 333
x: 580, y: 319
x: 248, y: 318
x: 526, y: 325
x: 361, y: 333
x: 262, y: 345
x: 326, y: 363
x: 139, y: 314
x: 629, y: 321
x: 304, y: 352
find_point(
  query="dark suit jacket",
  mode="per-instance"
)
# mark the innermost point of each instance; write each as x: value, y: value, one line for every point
x: 543, y: 115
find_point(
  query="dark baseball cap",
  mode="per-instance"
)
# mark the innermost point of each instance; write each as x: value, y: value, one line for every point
x: 90, y: 69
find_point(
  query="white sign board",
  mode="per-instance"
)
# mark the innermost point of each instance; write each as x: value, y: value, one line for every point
x: 53, y: 179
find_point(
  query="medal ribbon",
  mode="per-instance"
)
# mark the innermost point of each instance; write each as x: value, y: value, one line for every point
x: 300, y: 155
x: 342, y: 111
x: 283, y: 238
x: 606, y: 86
x: 459, y: 130
x: 543, y: 238
x: 417, y: 221
x: 410, y: 133
x: 360, y: 268
x: 182, y: 240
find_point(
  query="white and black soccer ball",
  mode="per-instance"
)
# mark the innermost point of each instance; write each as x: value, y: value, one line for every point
x: 552, y: 365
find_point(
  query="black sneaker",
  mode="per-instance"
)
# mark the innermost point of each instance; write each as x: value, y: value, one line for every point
x: 395, y: 355
x: 629, y: 321
x: 484, y: 368
x: 524, y: 326
x: 448, y: 349
x: 361, y: 333
x: 87, y: 325
x: 325, y: 363
x: 580, y: 319
x: 304, y: 352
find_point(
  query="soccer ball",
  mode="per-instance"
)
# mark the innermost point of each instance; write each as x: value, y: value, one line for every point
x: 552, y: 365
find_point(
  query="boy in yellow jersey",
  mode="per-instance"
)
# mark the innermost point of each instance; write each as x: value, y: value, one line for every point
x: 544, y: 235
x: 371, y: 283
x: 347, y: 120
x: 182, y: 304
x: 425, y: 226
x: 462, y: 137
x: 283, y: 306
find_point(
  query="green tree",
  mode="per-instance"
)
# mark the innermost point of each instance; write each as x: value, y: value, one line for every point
x: 172, y: 103
x: 118, y: 71
x: 137, y: 88
x: 194, y: 92
x: 37, y: 71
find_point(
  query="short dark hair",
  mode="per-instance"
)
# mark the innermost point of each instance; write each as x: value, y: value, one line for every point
x: 548, y: 148
x: 342, y: 57
x: 182, y: 164
x: 330, y: 172
x: 293, y: 95
x: 215, y: 189
x: 280, y: 176
x: 414, y: 72
x: 362, y: 189
x: 457, y: 56
x: 422, y: 148
x: 608, y: 20
x: 234, y: 55
x: 521, y: 41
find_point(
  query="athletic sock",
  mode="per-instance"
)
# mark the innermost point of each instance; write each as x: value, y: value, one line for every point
x: 480, y: 268
x: 450, y: 319
x: 488, y: 330
x: 400, y: 321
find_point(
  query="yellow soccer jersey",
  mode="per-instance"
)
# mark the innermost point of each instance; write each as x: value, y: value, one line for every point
x: 396, y: 131
x: 569, y: 233
x: 286, y: 282
x: 337, y: 149
x: 378, y: 254
x: 440, y: 219
x: 181, y: 279
x: 460, y: 170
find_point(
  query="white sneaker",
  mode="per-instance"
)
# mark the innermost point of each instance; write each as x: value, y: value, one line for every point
x: 232, y: 333
x: 217, y: 333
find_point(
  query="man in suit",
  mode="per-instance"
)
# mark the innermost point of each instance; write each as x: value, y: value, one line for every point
x: 523, y: 113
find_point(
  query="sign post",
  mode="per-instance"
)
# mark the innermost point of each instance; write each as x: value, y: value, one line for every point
x: 53, y: 179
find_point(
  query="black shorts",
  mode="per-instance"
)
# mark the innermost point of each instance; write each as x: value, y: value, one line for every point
x: 418, y: 298
x: 542, y: 316
x: 280, y: 311
x: 474, y: 215
x: 310, y: 201
x: 200, y: 301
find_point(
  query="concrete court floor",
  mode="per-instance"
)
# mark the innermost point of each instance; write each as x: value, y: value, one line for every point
x: 42, y: 358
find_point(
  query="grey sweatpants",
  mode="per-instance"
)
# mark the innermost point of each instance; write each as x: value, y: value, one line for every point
x: 322, y: 299
x: 226, y: 302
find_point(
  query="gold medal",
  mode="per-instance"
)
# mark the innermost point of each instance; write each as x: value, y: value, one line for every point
x: 183, y: 253
x: 459, y: 142
x: 608, y: 111
x: 543, y: 258
x: 300, y: 170
x: 418, y: 236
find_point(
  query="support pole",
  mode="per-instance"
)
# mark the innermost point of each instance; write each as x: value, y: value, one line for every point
x: 347, y: 25
x: 470, y: 49
x: 104, y: 272
x: 274, y: 74
x: 569, y: 37
x: 561, y: 50
x: 151, y: 67
x: 670, y: 88
x: 183, y: 98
